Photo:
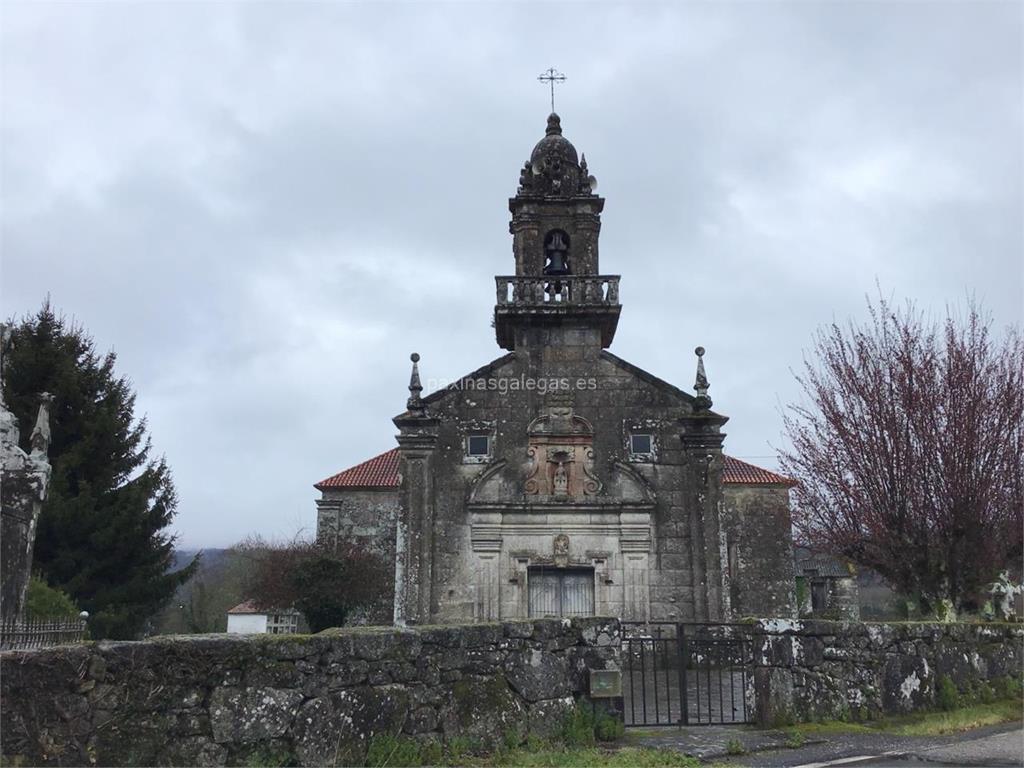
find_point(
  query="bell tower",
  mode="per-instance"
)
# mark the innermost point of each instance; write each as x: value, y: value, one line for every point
x: 556, y: 222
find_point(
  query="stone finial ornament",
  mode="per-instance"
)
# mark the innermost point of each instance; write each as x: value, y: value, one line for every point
x: 587, y: 182
x: 701, y: 385
x: 554, y: 125
x: 415, y: 403
x: 40, y: 438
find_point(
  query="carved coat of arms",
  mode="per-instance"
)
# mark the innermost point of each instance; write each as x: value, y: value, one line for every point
x: 561, y: 453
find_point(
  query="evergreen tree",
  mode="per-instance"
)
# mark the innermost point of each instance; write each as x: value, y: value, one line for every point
x: 101, y: 535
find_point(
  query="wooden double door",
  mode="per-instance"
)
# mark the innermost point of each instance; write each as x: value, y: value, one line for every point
x: 560, y: 592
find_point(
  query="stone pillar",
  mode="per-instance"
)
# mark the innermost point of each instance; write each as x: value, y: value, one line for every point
x: 845, y: 598
x: 702, y: 448
x: 24, y: 479
x: 414, y: 534
x: 702, y: 438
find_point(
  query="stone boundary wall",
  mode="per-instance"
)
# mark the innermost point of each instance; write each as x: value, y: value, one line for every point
x: 315, y: 700
x: 833, y: 670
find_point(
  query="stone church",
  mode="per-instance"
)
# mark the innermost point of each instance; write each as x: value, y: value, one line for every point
x: 560, y: 479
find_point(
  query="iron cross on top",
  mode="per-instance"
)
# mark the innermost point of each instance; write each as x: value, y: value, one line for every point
x: 552, y: 76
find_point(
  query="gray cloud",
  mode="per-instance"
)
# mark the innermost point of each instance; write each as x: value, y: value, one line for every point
x: 264, y: 207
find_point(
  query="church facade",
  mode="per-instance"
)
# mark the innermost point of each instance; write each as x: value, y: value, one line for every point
x: 559, y: 479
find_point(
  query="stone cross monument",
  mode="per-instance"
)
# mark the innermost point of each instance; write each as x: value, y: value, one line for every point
x: 24, y: 479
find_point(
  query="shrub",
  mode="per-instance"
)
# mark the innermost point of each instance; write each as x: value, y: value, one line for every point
x: 388, y: 751
x: 431, y: 753
x: 795, y: 739
x: 44, y: 602
x: 583, y: 726
x: 947, y: 697
x: 608, y: 728
x: 268, y: 756
x: 984, y: 693
x: 1014, y: 689
x: 456, y: 748
x: 578, y: 727
x: 1007, y: 687
x: 735, y: 747
x: 534, y: 743
x: 511, y: 738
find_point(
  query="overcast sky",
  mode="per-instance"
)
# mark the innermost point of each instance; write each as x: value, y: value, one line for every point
x: 263, y: 208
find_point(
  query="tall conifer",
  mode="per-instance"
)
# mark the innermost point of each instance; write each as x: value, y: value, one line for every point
x: 102, y: 533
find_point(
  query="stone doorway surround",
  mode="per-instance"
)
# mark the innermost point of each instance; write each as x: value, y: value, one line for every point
x: 613, y: 539
x: 560, y: 514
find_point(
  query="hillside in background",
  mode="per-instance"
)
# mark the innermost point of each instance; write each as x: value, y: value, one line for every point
x: 201, y: 604
x: 211, y: 557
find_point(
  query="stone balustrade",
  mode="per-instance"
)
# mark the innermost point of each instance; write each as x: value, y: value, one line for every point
x: 569, y: 290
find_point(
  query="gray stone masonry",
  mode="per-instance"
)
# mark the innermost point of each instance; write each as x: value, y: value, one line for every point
x: 845, y: 670
x: 365, y: 518
x: 310, y: 700
x: 757, y: 525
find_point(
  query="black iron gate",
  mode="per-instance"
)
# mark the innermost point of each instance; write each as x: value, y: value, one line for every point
x: 686, y: 674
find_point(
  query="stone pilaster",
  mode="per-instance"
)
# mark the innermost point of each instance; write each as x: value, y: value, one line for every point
x: 414, y: 532
x: 702, y: 438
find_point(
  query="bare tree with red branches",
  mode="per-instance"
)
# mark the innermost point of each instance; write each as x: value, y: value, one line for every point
x: 910, y: 454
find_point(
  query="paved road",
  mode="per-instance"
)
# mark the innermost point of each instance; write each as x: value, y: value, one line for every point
x: 995, y: 749
x: 998, y: 745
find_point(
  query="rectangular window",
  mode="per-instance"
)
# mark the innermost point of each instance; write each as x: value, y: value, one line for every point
x: 478, y: 445
x: 641, y: 445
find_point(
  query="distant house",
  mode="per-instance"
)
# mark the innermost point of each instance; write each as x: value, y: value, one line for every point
x: 826, y: 586
x: 246, y: 619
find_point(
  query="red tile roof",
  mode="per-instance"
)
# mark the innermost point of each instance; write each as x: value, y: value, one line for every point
x: 248, y: 606
x: 378, y: 472
x: 738, y: 472
x: 382, y: 472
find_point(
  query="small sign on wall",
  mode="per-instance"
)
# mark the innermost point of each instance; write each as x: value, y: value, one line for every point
x: 605, y: 683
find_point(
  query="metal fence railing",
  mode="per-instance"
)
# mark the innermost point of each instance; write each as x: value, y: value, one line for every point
x: 686, y: 673
x: 21, y: 634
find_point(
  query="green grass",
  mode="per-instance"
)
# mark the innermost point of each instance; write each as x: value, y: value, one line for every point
x: 795, y: 739
x: 586, y: 757
x: 577, y: 745
x: 735, y: 747
x: 923, y: 724
x: 405, y: 753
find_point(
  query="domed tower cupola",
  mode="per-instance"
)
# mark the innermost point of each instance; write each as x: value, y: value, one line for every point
x: 555, y: 213
x: 554, y: 167
x: 556, y: 222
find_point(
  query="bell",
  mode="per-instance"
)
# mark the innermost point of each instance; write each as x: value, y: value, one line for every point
x: 557, y: 264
